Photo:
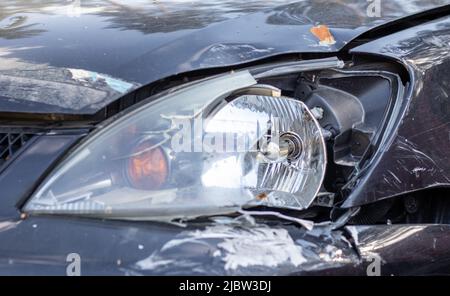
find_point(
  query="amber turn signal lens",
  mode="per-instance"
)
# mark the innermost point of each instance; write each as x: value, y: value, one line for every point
x: 147, y: 167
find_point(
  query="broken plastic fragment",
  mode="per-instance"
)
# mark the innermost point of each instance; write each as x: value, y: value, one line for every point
x: 309, y: 225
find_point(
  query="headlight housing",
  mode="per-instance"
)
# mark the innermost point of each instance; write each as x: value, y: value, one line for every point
x: 209, y: 148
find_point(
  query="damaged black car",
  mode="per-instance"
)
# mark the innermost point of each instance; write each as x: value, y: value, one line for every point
x: 225, y: 137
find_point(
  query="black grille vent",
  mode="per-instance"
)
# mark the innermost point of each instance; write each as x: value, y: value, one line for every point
x: 10, y: 143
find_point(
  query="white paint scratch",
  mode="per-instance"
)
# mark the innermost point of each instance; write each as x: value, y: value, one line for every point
x: 237, y: 247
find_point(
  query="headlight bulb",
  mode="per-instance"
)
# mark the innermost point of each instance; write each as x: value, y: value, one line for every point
x: 288, y: 147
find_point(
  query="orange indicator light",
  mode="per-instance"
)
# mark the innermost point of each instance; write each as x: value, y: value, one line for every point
x: 147, y: 167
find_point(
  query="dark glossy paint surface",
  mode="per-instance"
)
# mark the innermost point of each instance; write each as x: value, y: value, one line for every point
x: 77, y: 57
x: 41, y: 246
x: 19, y: 179
x: 415, y: 154
x: 405, y: 249
x: 147, y: 248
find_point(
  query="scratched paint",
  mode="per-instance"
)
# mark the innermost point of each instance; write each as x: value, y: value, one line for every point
x: 92, y: 77
x: 238, y: 247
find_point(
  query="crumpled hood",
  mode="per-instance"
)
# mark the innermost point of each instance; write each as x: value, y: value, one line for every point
x: 76, y: 57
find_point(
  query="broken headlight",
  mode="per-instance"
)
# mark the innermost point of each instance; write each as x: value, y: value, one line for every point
x: 208, y: 148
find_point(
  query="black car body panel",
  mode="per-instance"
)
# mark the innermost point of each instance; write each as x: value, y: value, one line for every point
x: 415, y: 154
x: 38, y: 155
x: 136, y: 50
x: 77, y: 59
x: 41, y: 245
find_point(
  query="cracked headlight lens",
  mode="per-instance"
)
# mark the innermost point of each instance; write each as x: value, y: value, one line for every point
x: 209, y: 148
